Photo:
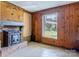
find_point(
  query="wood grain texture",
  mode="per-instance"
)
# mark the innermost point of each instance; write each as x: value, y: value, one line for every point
x: 11, y: 12
x: 68, y: 22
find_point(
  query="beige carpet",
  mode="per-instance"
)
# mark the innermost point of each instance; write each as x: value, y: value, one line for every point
x: 11, y: 49
x: 41, y: 50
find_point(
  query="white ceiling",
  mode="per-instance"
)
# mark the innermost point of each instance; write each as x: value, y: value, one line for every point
x: 33, y: 6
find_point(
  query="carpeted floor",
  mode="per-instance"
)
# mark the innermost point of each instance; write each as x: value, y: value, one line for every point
x: 41, y: 50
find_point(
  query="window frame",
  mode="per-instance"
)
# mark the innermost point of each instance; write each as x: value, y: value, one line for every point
x: 43, y: 26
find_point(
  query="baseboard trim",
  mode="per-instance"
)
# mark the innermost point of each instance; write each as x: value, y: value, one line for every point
x: 28, y: 38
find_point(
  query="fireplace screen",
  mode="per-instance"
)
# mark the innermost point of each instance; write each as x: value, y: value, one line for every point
x: 49, y: 26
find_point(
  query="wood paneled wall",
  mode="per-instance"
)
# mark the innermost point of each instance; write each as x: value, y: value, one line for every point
x: 27, y: 26
x: 11, y: 12
x: 68, y: 26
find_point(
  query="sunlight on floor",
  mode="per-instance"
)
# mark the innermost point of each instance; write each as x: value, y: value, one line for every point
x: 41, y: 50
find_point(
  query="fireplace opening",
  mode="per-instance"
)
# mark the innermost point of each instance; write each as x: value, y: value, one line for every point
x: 11, y: 36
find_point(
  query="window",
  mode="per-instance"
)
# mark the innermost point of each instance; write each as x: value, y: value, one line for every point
x: 49, y: 25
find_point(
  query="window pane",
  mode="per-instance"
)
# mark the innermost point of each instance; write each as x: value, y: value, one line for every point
x: 49, y: 26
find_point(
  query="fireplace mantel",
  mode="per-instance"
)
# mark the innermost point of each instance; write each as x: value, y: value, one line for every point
x: 11, y: 23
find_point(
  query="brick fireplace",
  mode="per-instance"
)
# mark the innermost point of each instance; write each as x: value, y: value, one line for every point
x: 11, y: 33
x: 11, y: 37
